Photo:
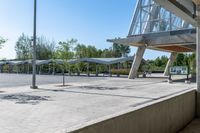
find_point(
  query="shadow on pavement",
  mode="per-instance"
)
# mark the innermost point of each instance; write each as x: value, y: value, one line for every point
x: 25, y: 99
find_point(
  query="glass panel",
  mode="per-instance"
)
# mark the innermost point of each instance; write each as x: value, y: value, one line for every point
x: 164, y: 25
x: 164, y: 14
x: 152, y: 2
x: 145, y: 2
x: 146, y: 27
x: 146, y: 9
x: 144, y: 16
x: 136, y: 29
x: 137, y: 17
x: 154, y: 18
x: 143, y: 26
x: 156, y: 26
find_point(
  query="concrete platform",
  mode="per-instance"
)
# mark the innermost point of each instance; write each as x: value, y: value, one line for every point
x: 55, y: 109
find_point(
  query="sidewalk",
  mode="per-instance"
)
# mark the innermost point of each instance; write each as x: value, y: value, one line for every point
x: 52, y: 109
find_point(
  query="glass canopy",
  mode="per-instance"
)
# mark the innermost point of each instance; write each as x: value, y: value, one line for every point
x: 151, y: 17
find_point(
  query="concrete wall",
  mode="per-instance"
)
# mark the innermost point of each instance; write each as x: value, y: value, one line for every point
x: 166, y: 116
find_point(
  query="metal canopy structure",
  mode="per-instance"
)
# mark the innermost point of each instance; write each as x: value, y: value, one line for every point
x: 104, y: 61
x: 168, y: 41
x: 155, y: 27
x: 13, y: 62
x: 163, y: 25
x: 54, y: 62
x: 107, y: 61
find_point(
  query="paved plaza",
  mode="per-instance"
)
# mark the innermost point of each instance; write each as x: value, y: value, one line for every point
x: 56, y: 109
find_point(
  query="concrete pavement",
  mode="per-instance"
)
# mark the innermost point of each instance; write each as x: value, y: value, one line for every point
x: 55, y: 109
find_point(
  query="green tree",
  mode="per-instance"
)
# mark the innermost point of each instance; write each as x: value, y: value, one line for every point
x: 92, y: 51
x: 107, y: 53
x: 65, y: 52
x: 158, y: 62
x: 180, y: 59
x: 65, y: 49
x: 45, y: 49
x: 2, y: 41
x: 164, y: 60
x: 192, y: 63
x: 23, y: 47
x: 81, y: 51
x: 121, y: 50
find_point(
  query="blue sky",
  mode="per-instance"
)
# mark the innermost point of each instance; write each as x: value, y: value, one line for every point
x: 89, y: 21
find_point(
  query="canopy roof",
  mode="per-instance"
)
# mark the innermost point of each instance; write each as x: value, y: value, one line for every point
x: 164, y: 25
x: 105, y: 61
x: 14, y: 62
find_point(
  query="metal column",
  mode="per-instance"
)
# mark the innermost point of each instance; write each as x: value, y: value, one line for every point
x: 34, y: 48
x: 118, y: 68
x: 198, y: 59
x: 28, y: 69
x: 198, y: 49
x: 88, y: 69
x: 53, y: 72
x: 109, y: 67
x: 97, y: 73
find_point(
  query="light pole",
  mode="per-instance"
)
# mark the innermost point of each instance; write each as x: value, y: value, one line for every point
x: 34, y: 48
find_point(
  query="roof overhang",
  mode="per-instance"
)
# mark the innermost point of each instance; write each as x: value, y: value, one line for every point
x: 170, y: 41
x: 197, y: 2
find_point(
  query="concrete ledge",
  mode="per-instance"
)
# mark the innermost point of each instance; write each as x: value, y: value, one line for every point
x: 167, y: 115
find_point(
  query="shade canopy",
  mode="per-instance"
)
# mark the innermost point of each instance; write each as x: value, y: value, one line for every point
x: 105, y: 61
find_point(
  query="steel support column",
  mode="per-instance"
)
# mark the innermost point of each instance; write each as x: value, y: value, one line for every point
x: 28, y: 69
x: 97, y: 73
x: 109, y: 70
x: 198, y: 49
x: 118, y: 68
x: 198, y: 60
x: 78, y: 70
x: 69, y: 68
x: 88, y: 69
x: 34, y: 48
x: 54, y: 69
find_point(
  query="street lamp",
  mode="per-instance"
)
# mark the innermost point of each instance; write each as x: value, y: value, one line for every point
x: 34, y: 48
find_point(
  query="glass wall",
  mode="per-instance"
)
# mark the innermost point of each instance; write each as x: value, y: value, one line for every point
x: 151, y: 17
